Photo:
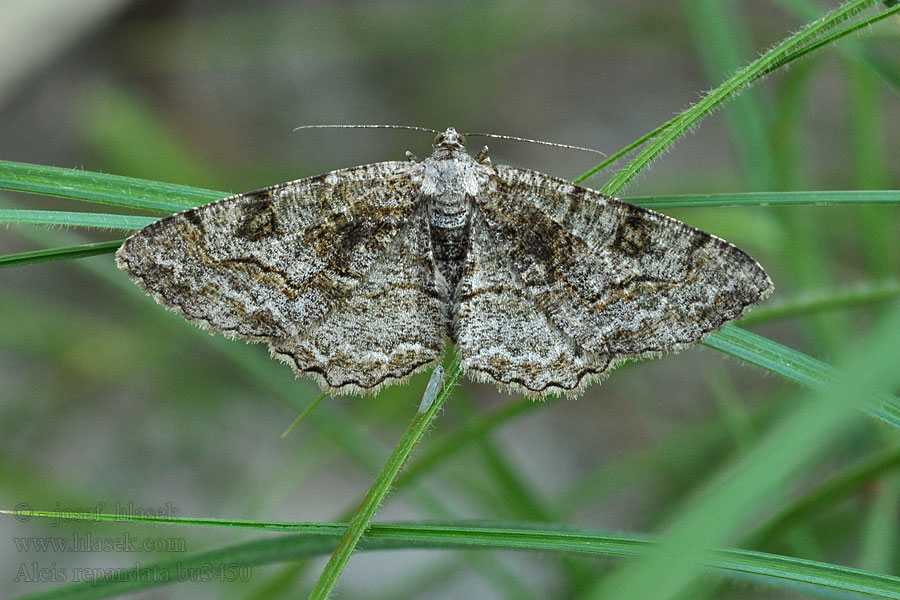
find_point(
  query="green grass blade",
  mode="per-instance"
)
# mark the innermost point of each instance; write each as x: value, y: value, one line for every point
x: 304, y: 414
x: 798, y: 198
x: 771, y: 356
x: 812, y: 303
x: 318, y: 538
x: 99, y: 187
x: 450, y: 444
x: 74, y: 219
x: 617, y: 155
x: 52, y: 254
x: 817, y: 198
x: 855, y: 51
x: 682, y: 123
x: 164, y: 197
x: 795, y: 366
x: 889, y: 73
x: 717, y: 513
x: 383, y: 482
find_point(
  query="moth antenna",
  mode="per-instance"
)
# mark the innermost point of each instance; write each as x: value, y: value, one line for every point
x: 410, y: 127
x: 541, y: 142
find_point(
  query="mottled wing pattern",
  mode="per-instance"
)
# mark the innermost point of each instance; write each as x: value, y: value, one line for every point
x: 503, y: 336
x: 389, y: 327
x: 274, y: 264
x: 621, y: 280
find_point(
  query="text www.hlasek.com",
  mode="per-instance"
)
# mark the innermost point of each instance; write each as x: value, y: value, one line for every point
x: 87, y: 542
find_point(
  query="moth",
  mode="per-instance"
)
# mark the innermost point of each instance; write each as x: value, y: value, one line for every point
x: 359, y: 276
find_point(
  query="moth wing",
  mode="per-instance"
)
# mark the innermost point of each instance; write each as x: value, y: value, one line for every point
x: 390, y: 327
x: 274, y: 264
x: 504, y: 336
x: 621, y: 280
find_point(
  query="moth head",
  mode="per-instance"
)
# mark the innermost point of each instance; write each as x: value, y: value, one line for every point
x: 450, y: 139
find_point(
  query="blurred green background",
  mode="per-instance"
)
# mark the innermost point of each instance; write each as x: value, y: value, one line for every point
x: 106, y: 397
